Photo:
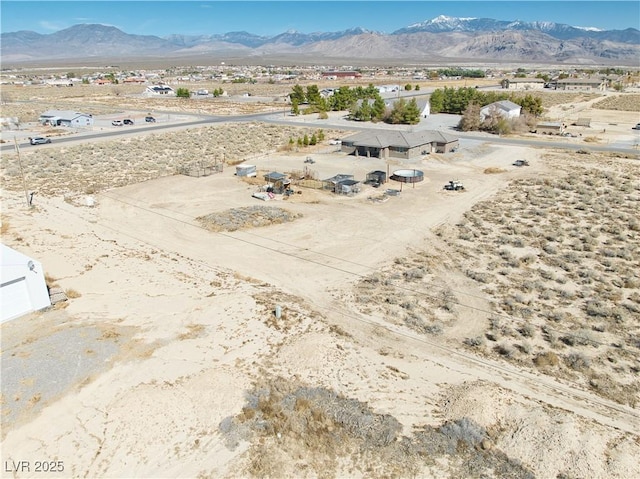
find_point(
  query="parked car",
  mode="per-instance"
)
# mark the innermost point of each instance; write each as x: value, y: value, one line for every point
x: 39, y: 140
x: 149, y: 119
x: 117, y: 123
x: 128, y: 122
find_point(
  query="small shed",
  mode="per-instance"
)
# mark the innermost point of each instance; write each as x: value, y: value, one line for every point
x: 332, y: 183
x: 549, y: 128
x: 246, y: 170
x: 347, y: 187
x: 22, y: 285
x: 377, y: 176
x: 583, y: 122
x: 278, y: 182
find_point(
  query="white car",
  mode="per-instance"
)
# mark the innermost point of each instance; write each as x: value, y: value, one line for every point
x: 39, y: 140
x: 117, y: 123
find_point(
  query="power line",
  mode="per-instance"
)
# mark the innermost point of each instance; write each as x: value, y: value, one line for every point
x: 406, y: 334
x: 349, y: 272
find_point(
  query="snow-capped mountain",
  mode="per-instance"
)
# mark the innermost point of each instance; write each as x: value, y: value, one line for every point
x: 443, y: 37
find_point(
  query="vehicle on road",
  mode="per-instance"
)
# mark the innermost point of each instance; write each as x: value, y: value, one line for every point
x: 149, y: 119
x: 521, y: 163
x: 637, y: 127
x: 117, y: 123
x: 128, y: 122
x: 39, y: 140
x: 309, y: 160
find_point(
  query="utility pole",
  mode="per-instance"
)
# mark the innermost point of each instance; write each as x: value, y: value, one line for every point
x: 24, y: 183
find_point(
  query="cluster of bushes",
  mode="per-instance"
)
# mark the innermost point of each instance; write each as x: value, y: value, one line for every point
x: 307, y: 140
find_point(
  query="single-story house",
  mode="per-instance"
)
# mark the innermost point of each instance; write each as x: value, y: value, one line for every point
x: 388, y: 88
x: 398, y: 144
x: 66, y: 118
x: 159, y: 90
x: 22, y: 285
x: 581, y: 84
x: 523, y: 83
x: 505, y: 108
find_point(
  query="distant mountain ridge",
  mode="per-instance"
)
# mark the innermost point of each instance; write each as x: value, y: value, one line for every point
x: 442, y: 37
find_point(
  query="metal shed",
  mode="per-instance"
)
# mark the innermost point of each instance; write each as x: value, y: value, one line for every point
x: 22, y: 285
x: 377, y: 176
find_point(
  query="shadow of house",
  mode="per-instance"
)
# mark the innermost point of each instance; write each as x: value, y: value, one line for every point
x: 398, y: 144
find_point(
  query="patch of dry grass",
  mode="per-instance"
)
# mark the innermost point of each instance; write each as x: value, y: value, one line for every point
x: 292, y: 427
x: 246, y: 217
x: 622, y: 102
x: 87, y: 169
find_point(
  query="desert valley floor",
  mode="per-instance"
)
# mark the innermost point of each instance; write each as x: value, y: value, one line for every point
x: 491, y: 332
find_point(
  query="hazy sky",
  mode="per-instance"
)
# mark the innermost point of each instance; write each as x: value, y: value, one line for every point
x: 274, y: 17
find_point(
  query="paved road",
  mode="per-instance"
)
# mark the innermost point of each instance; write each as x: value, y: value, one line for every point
x: 277, y: 119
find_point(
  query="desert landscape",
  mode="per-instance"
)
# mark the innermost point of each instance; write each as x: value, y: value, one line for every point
x: 489, y: 332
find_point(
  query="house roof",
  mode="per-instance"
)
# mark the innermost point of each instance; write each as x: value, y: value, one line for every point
x: 400, y: 139
x: 582, y: 81
x: 526, y: 80
x: 505, y: 105
x: 275, y: 176
x: 338, y: 178
x: 62, y: 114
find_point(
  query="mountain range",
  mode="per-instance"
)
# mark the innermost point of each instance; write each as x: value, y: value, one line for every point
x: 443, y: 39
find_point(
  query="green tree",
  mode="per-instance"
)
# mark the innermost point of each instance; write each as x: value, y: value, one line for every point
x: 379, y: 109
x: 305, y: 140
x: 297, y: 95
x: 183, y: 93
x: 313, y: 140
x: 295, y: 109
x: 408, y: 87
x: 437, y: 101
x: 411, y: 114
x: 313, y: 95
x: 417, y: 87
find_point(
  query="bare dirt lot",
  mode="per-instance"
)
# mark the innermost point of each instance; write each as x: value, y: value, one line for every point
x: 490, y: 332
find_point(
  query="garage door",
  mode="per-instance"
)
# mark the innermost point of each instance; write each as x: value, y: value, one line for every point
x: 14, y: 299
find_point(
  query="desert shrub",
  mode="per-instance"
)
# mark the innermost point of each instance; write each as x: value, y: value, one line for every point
x: 464, y: 430
x: 527, y: 330
x: 577, y: 361
x: 548, y: 358
x: 474, y: 342
x: 505, y: 349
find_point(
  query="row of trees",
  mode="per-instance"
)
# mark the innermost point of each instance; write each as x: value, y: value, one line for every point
x: 456, y: 100
x: 363, y: 104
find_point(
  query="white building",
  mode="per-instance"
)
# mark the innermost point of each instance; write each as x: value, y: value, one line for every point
x: 66, y: 118
x: 22, y: 285
x: 159, y: 90
x: 505, y: 108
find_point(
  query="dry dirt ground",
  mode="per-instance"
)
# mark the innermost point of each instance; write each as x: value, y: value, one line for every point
x: 492, y: 332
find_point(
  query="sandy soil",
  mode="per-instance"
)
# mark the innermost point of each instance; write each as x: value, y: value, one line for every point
x: 285, y: 350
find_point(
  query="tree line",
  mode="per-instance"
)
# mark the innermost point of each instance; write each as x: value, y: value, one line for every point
x: 363, y: 104
x: 456, y: 100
